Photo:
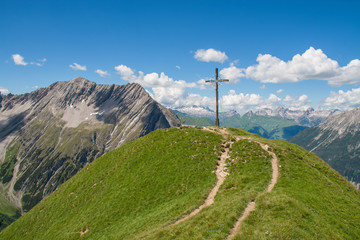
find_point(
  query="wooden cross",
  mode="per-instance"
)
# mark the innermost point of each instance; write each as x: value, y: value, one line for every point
x: 217, y: 93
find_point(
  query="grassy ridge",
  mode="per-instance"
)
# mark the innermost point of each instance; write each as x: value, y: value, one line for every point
x: 310, y: 201
x: 140, y: 189
x: 142, y: 185
x: 250, y: 173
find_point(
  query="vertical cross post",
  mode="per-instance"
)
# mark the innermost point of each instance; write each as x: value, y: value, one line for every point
x: 216, y: 81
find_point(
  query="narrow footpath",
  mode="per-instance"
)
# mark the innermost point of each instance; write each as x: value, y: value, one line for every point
x: 220, y: 175
x: 251, y: 205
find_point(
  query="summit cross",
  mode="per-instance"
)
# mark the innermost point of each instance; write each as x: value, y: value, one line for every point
x: 217, y: 80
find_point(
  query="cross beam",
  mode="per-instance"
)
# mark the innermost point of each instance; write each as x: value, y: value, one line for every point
x: 217, y: 80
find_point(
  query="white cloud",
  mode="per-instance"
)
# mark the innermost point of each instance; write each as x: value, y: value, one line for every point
x: 166, y: 90
x: 279, y: 91
x: 175, y: 93
x: 40, y: 62
x: 151, y: 79
x: 245, y: 102
x: 240, y: 102
x: 19, y: 60
x: 312, y: 64
x: 102, y: 73
x: 78, y: 67
x: 232, y: 73
x: 202, y: 84
x: 4, y: 91
x: 343, y: 100
x: 262, y: 86
x: 178, y: 67
x: 296, y: 103
x: 210, y: 55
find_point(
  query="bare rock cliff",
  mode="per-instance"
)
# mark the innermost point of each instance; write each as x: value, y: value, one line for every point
x: 48, y: 135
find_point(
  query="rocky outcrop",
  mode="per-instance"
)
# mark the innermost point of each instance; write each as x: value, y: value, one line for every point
x: 48, y: 135
x: 337, y: 141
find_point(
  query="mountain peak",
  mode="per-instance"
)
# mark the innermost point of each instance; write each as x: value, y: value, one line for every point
x: 249, y: 113
x: 79, y: 79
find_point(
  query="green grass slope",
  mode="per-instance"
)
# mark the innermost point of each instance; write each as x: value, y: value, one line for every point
x: 139, y: 190
x: 195, y: 121
x: 265, y: 126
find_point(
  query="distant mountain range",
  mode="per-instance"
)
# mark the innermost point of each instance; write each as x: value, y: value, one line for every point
x: 281, y: 123
x: 48, y: 135
x: 337, y: 141
x: 308, y: 117
x: 272, y: 127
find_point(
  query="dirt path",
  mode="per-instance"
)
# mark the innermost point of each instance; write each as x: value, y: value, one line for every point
x: 220, y: 175
x: 251, y: 205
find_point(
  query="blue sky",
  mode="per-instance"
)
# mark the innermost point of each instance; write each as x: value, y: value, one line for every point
x: 275, y: 53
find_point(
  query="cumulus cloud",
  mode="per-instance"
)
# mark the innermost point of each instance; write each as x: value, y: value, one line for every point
x: 166, y: 90
x: 296, y: 103
x: 241, y: 102
x: 245, y: 102
x: 178, y: 67
x: 262, y: 86
x: 174, y: 93
x: 102, y: 73
x: 76, y: 66
x: 232, y: 73
x: 210, y: 55
x: 19, y: 60
x: 343, y: 100
x: 279, y: 91
x: 312, y: 64
x: 4, y: 91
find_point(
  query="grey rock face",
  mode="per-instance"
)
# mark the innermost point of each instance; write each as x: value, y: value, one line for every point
x: 50, y: 134
x: 337, y: 141
x: 308, y: 117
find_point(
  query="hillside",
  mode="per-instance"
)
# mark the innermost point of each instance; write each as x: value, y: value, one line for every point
x: 48, y: 135
x: 193, y: 183
x: 272, y: 127
x: 195, y: 121
x: 337, y: 141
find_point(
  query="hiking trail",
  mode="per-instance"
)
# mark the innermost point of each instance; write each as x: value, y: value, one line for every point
x: 252, y: 204
x: 220, y: 175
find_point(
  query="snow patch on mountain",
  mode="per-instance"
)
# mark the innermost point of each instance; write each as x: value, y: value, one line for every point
x: 306, y: 117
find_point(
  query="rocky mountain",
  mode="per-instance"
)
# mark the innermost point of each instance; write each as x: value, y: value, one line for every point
x: 337, y: 141
x: 48, y: 135
x: 308, y: 117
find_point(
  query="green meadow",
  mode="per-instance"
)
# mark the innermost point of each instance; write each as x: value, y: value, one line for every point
x: 140, y: 189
